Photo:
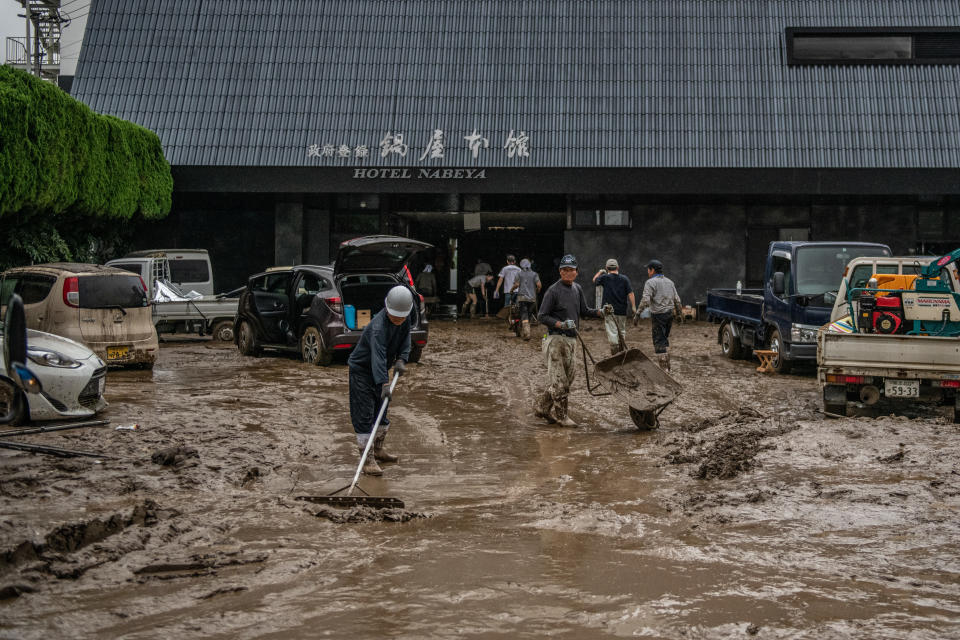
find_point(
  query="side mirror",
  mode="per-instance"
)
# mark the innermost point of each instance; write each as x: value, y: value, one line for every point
x: 778, y: 283
x: 15, y: 347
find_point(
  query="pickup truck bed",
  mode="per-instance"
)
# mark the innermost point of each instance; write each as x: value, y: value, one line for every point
x: 726, y: 304
x: 849, y: 362
x: 214, y: 315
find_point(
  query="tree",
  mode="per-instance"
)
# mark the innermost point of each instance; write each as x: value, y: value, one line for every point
x: 72, y: 182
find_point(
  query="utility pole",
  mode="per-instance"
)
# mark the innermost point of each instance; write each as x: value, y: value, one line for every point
x: 26, y: 52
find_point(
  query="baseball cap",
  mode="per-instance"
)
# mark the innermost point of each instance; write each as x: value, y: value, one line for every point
x: 655, y: 264
x: 568, y: 261
x: 612, y: 264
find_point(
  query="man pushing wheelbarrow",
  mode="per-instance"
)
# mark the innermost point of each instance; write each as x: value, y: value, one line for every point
x: 628, y: 376
x: 560, y: 311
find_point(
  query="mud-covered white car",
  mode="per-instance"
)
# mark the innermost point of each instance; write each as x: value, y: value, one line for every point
x: 72, y: 376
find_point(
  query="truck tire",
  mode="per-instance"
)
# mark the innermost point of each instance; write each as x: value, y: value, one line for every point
x: 247, y: 340
x: 312, y: 349
x: 13, y: 404
x: 780, y: 364
x: 729, y: 343
x: 416, y: 351
x: 222, y: 331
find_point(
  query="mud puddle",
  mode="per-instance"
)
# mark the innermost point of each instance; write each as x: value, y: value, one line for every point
x: 746, y: 514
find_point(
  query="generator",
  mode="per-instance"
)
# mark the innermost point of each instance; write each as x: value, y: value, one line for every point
x: 931, y: 306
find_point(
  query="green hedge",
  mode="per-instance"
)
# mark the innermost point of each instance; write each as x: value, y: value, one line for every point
x: 57, y: 156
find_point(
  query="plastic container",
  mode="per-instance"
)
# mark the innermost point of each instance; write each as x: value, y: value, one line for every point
x: 350, y: 316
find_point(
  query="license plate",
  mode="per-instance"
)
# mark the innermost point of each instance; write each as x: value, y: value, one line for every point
x: 901, y: 388
x: 116, y: 353
x: 102, y: 385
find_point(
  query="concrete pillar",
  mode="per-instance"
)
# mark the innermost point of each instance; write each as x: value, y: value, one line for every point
x: 316, y: 237
x: 288, y: 233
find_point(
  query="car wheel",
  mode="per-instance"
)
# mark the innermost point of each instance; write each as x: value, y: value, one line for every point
x: 312, y: 348
x: 779, y: 363
x: 13, y: 405
x: 416, y: 352
x: 645, y: 420
x: 729, y: 343
x: 223, y: 331
x: 247, y: 340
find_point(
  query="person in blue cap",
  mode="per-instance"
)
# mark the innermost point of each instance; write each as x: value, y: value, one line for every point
x: 563, y: 305
x: 384, y: 341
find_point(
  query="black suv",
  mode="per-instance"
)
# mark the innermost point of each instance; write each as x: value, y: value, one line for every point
x: 302, y: 308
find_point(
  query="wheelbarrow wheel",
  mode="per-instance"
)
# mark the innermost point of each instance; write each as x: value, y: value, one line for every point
x: 645, y: 420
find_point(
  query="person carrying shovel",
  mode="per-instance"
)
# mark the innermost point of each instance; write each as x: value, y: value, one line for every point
x: 385, y: 340
x: 563, y: 305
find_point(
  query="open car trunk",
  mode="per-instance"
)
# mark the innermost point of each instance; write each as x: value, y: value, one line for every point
x: 366, y: 293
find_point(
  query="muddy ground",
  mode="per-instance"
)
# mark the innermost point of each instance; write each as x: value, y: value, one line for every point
x: 747, y: 514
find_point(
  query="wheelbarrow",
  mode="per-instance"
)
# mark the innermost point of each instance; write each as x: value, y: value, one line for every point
x: 634, y: 379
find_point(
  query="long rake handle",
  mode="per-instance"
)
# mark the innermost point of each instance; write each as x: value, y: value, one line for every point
x: 373, y: 434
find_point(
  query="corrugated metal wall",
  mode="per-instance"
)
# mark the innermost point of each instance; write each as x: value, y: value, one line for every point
x: 601, y: 83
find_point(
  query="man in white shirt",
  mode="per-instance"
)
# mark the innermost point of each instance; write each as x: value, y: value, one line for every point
x: 507, y: 275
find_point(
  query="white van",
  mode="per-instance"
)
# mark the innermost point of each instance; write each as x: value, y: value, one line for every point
x: 189, y: 269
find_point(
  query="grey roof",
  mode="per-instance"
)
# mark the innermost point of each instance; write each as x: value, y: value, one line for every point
x: 601, y: 83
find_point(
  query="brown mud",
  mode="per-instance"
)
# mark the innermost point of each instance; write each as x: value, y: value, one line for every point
x: 747, y: 514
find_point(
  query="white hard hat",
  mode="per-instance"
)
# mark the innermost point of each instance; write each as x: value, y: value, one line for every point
x: 399, y: 302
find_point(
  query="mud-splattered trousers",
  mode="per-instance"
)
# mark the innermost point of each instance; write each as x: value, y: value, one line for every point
x: 661, y: 330
x: 558, y: 352
x: 616, y: 327
x: 365, y: 404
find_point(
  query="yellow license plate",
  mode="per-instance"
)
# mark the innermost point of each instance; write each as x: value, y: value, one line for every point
x: 116, y: 353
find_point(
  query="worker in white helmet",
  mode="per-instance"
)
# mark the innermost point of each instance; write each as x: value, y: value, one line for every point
x: 385, y: 341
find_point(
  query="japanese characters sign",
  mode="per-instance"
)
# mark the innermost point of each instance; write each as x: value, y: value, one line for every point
x: 433, y: 146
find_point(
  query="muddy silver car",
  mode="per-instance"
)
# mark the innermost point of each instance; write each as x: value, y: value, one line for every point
x: 105, y: 308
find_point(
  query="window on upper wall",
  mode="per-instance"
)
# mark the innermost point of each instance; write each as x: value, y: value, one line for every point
x: 873, y: 45
x: 604, y: 218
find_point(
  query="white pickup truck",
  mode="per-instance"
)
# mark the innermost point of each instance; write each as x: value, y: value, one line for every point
x: 866, y: 367
x: 173, y: 273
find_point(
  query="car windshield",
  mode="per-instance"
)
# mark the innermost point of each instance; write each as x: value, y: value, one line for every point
x: 101, y: 292
x: 819, y: 268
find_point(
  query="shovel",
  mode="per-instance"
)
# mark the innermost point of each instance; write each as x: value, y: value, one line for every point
x: 366, y: 500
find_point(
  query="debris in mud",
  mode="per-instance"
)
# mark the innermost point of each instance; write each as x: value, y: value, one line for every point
x: 222, y: 591
x: 70, y: 538
x: 174, y: 456
x: 742, y: 414
x: 197, y: 565
x: 732, y: 454
x: 11, y: 591
x: 358, y: 514
x: 252, y: 474
x: 894, y: 457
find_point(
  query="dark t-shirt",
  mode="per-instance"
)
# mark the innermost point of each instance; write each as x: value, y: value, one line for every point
x: 616, y: 288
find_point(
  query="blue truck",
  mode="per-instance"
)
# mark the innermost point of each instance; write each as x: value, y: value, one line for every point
x: 801, y: 280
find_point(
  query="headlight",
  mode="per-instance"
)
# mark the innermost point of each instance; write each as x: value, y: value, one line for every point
x: 803, y: 333
x: 46, y: 358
